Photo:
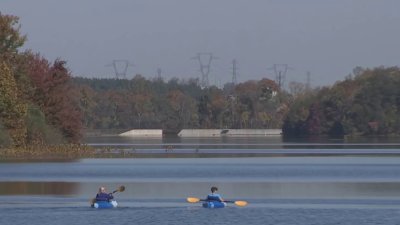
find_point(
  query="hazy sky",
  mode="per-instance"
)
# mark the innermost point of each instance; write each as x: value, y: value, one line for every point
x: 328, y: 38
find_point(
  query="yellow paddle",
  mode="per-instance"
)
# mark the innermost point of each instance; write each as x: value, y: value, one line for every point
x: 120, y: 189
x: 195, y: 200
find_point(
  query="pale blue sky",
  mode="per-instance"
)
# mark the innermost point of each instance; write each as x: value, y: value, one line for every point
x: 326, y: 37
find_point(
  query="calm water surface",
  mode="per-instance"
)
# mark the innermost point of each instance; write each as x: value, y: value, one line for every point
x: 346, y: 189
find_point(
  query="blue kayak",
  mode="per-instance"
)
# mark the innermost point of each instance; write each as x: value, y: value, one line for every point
x: 214, y: 204
x: 105, y: 204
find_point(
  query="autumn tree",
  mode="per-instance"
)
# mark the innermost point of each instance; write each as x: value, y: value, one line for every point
x: 37, y: 99
x: 56, y: 97
x: 10, y: 37
x: 12, y: 109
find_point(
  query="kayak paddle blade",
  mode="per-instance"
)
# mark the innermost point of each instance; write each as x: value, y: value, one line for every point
x: 121, y: 189
x: 241, y: 203
x: 192, y: 200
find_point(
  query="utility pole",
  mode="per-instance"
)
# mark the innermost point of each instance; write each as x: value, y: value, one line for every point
x: 280, y: 71
x: 120, y: 67
x: 204, y: 60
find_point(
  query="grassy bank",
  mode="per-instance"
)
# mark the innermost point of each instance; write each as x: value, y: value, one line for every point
x: 47, y: 152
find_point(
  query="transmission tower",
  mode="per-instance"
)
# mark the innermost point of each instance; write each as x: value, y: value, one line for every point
x: 308, y: 82
x: 234, y: 72
x: 120, y: 67
x: 280, y: 71
x: 204, y: 60
x: 159, y: 72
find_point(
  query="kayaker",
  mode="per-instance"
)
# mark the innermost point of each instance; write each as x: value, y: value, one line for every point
x: 102, y: 195
x: 214, y: 196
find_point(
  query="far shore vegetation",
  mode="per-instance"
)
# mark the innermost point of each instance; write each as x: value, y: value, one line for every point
x: 44, y: 109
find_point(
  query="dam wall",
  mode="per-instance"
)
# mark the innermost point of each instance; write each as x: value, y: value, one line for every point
x: 200, y: 133
x: 204, y: 132
x: 228, y: 132
x: 252, y: 132
x: 143, y: 133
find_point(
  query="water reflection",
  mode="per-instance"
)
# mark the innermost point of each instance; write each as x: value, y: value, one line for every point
x: 38, y: 188
x: 248, y: 178
x: 240, y: 146
x: 257, y: 190
x: 230, y: 190
x: 241, y: 140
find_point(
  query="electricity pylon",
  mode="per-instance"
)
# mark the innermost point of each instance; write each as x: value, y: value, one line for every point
x: 120, y: 67
x: 280, y: 71
x: 204, y: 60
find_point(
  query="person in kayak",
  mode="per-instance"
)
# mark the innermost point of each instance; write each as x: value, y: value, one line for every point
x: 102, y: 195
x: 214, y: 196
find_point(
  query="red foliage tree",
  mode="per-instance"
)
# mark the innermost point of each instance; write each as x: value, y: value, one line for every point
x: 55, y: 96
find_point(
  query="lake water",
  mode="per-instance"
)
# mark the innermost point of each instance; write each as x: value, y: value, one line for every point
x: 351, y: 188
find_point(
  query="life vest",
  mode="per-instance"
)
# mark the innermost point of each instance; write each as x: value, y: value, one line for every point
x: 214, y: 197
x: 104, y: 197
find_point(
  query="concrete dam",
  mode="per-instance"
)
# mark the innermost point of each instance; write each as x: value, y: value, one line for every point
x: 205, y: 133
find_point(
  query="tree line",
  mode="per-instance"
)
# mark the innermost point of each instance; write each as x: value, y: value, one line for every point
x: 140, y: 103
x: 367, y: 102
